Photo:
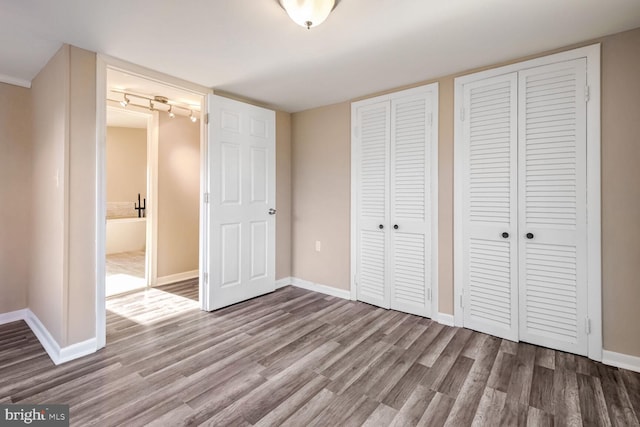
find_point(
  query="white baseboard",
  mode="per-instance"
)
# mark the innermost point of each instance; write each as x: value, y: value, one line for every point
x: 323, y: 289
x: 285, y: 281
x: 77, y: 350
x: 49, y: 343
x: 13, y: 316
x: 445, y: 319
x: 621, y: 360
x: 57, y: 354
x: 179, y: 277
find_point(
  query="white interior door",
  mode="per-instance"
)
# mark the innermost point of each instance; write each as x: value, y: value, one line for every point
x: 241, y: 214
x: 489, y: 211
x: 372, y: 176
x: 553, y: 206
x: 410, y: 195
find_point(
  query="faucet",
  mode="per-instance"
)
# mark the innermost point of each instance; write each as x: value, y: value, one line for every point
x: 141, y: 208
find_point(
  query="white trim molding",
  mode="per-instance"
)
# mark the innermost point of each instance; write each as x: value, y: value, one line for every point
x: 323, y: 289
x: 285, y: 281
x: 444, y: 319
x: 15, y: 81
x: 594, y: 249
x: 57, y: 354
x: 13, y: 316
x: 178, y: 277
x: 620, y: 360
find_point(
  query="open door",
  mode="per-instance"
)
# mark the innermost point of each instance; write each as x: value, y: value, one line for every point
x: 241, y: 204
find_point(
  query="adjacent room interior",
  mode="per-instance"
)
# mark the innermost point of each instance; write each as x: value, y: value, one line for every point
x: 321, y: 213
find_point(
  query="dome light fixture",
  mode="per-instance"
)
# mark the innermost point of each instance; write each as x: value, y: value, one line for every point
x: 308, y: 13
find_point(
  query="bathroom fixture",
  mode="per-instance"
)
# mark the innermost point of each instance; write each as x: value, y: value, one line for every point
x: 308, y: 13
x: 141, y: 208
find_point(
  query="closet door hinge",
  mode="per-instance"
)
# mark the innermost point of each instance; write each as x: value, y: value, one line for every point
x: 587, y: 94
x: 356, y: 132
x: 355, y: 280
x: 206, y: 118
x: 462, y: 114
x: 428, y: 294
x: 587, y: 325
x: 462, y: 300
x: 205, y: 277
x: 206, y: 197
x: 430, y: 119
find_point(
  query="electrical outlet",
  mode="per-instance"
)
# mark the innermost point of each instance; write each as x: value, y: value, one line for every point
x: 318, y: 245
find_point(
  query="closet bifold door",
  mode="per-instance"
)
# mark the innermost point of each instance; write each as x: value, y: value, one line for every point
x: 372, y: 174
x: 489, y: 211
x: 410, y: 194
x: 552, y: 206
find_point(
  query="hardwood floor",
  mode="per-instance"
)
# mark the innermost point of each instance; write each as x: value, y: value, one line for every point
x: 299, y: 358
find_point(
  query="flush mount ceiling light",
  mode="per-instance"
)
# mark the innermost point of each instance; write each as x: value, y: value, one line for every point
x: 308, y: 13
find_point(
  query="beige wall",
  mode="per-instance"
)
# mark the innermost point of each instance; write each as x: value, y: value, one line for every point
x: 621, y: 192
x: 80, y: 257
x: 126, y: 164
x: 321, y: 194
x: 321, y: 187
x: 61, y: 290
x: 178, y: 195
x: 50, y: 100
x: 15, y: 188
x: 283, y: 194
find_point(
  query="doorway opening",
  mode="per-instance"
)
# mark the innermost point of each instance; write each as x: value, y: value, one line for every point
x: 150, y: 167
x: 129, y: 138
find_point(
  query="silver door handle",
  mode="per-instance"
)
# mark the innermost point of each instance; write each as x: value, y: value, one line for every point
x: 272, y: 211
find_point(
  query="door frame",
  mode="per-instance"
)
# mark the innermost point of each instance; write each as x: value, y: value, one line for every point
x: 594, y: 245
x: 104, y: 62
x: 434, y: 89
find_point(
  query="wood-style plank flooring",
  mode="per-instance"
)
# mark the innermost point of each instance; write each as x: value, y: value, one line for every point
x: 299, y: 358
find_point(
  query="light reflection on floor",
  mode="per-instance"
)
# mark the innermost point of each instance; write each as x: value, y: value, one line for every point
x: 125, y: 272
x: 165, y: 302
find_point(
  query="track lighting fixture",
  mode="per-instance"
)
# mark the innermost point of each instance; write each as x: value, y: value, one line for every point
x: 156, y: 103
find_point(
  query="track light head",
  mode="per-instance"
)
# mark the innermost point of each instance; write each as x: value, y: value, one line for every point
x: 125, y: 101
x: 192, y: 117
x: 171, y: 113
x: 151, y: 107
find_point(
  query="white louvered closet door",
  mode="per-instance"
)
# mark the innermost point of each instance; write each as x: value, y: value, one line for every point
x: 489, y: 153
x: 372, y: 174
x: 410, y: 194
x: 552, y: 206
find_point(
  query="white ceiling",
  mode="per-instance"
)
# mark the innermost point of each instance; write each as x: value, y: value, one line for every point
x: 251, y: 48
